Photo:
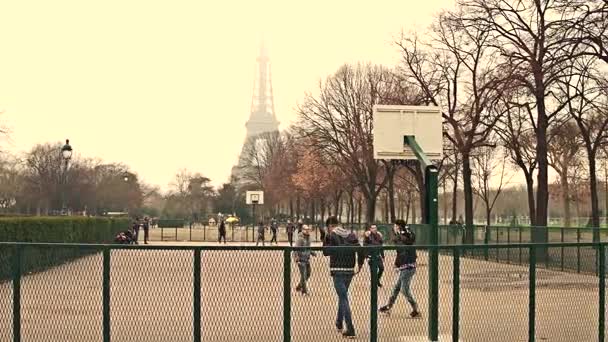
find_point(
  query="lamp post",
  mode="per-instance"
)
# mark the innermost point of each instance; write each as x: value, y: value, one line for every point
x: 66, y: 155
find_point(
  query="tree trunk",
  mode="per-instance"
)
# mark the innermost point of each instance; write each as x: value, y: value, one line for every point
x: 290, y: 207
x: 455, y: 192
x: 542, y: 190
x: 445, y: 204
x: 414, y: 213
x: 595, y: 206
x: 322, y: 210
x: 313, y: 212
x: 298, y: 206
x: 391, y: 195
x: 566, y: 196
x: 407, y: 208
x: 468, y: 198
x: 351, y: 209
x: 387, y: 209
x: 531, y: 202
x: 359, y: 210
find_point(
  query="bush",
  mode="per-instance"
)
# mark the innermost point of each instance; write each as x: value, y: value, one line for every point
x: 170, y: 223
x: 53, y: 229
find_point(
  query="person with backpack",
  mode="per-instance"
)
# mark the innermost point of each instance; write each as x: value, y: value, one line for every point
x: 146, y: 226
x: 406, y: 266
x: 342, y: 270
x: 373, y: 237
x: 221, y: 231
x: 290, y: 228
x: 302, y: 258
x: 136, y: 231
x: 261, y: 230
x: 273, y: 229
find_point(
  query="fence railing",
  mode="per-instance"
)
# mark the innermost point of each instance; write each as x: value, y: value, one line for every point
x: 224, y: 293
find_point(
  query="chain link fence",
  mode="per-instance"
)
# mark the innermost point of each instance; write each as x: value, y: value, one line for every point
x: 233, y: 293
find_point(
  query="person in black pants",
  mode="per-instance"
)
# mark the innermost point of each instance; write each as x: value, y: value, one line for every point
x: 342, y: 269
x: 290, y: 228
x: 221, y: 232
x: 374, y: 238
x: 146, y: 226
x: 136, y: 230
x: 273, y: 229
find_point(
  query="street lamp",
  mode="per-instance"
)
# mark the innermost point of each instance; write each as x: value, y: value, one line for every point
x: 66, y: 155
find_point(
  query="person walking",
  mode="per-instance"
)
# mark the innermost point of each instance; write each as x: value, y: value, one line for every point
x: 273, y: 229
x: 261, y: 230
x: 221, y: 230
x: 406, y: 266
x: 342, y: 269
x: 290, y: 228
x: 136, y: 230
x: 373, y: 237
x: 302, y: 258
x: 146, y: 226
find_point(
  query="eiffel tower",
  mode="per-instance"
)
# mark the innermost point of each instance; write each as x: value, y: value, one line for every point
x: 262, y: 118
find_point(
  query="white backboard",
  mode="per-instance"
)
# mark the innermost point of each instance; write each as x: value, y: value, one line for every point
x: 254, y: 197
x: 392, y: 123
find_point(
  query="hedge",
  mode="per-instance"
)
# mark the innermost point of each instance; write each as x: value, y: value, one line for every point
x: 53, y: 229
x: 170, y: 223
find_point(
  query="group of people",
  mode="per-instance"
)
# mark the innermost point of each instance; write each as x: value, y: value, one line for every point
x: 345, y: 263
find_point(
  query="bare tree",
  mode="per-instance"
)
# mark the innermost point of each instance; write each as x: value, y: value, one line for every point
x: 339, y: 121
x: 529, y: 36
x: 455, y: 71
x: 489, y: 165
x: 588, y: 107
x: 564, y: 154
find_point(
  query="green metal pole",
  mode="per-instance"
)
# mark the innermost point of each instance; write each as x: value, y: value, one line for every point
x: 17, y: 293
x: 286, y: 295
x: 532, y: 296
x: 197, y: 295
x: 432, y: 220
x: 456, y: 296
x: 562, y: 241
x: 373, y: 328
x: 486, y: 241
x: 578, y: 251
x: 106, y: 294
x: 602, y: 293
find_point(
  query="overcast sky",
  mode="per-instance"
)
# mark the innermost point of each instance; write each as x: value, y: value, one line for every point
x: 164, y: 85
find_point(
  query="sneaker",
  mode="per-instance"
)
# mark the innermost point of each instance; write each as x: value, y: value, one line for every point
x: 339, y: 328
x: 415, y: 314
x: 385, y: 309
x: 379, y: 284
x: 298, y: 288
x: 349, y: 335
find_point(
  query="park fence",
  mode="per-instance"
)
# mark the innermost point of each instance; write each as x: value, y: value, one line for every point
x: 234, y: 293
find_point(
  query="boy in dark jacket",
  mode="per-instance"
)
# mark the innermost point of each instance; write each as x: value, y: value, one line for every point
x: 342, y: 270
x: 406, y: 265
x: 261, y: 230
x: 221, y: 231
x: 289, y: 228
x: 373, y: 237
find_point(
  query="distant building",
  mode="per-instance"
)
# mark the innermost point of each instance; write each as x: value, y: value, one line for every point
x: 262, y: 118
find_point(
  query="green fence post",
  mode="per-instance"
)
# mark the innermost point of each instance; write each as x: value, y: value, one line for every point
x: 190, y: 232
x: 486, y: 239
x: 175, y: 233
x: 456, y: 296
x: 519, y: 228
x: 508, y: 243
x: 106, y: 294
x: 602, y: 293
x: 197, y: 295
x: 286, y: 295
x: 578, y: 250
x: 17, y: 253
x: 373, y: 328
x: 532, y: 296
x: 562, y: 241
x: 431, y: 219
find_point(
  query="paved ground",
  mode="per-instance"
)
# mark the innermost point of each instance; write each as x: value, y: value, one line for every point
x: 151, y: 300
